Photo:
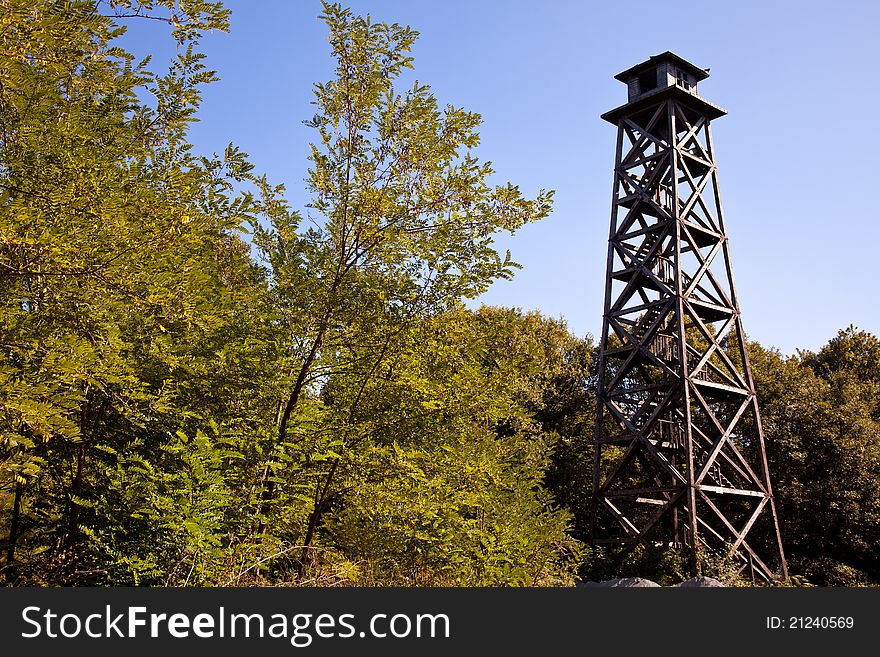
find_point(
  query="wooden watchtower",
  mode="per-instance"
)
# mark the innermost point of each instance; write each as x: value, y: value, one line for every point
x: 680, y: 460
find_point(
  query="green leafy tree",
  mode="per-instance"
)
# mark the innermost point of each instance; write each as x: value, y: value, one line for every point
x: 821, y: 423
x: 403, y: 217
x: 125, y: 290
x: 175, y: 413
x: 448, y: 485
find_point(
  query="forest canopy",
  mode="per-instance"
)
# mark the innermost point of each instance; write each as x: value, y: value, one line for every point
x: 200, y: 387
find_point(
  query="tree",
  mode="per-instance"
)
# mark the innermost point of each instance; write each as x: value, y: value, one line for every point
x: 174, y: 412
x: 821, y: 423
x: 852, y: 350
x: 449, y: 486
x: 122, y: 278
x: 403, y: 218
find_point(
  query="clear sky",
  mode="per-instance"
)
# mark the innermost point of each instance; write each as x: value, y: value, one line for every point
x: 797, y: 169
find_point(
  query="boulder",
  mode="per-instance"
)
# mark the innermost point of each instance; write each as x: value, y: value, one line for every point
x: 700, y: 581
x: 630, y: 582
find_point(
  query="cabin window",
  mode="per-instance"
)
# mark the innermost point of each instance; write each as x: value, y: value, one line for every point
x: 681, y: 78
x: 648, y: 81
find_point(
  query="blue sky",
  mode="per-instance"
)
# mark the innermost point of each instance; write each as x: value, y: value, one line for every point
x: 798, y: 175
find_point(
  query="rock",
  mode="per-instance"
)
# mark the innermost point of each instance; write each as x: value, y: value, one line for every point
x: 630, y: 582
x: 700, y: 581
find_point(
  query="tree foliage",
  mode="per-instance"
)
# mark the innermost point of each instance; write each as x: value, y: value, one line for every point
x: 175, y: 411
x: 821, y: 415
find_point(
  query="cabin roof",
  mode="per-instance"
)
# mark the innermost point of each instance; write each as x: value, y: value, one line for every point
x: 654, y: 60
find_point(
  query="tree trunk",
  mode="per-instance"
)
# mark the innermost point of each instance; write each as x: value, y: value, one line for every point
x: 315, y: 517
x: 13, y: 530
x: 298, y: 386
